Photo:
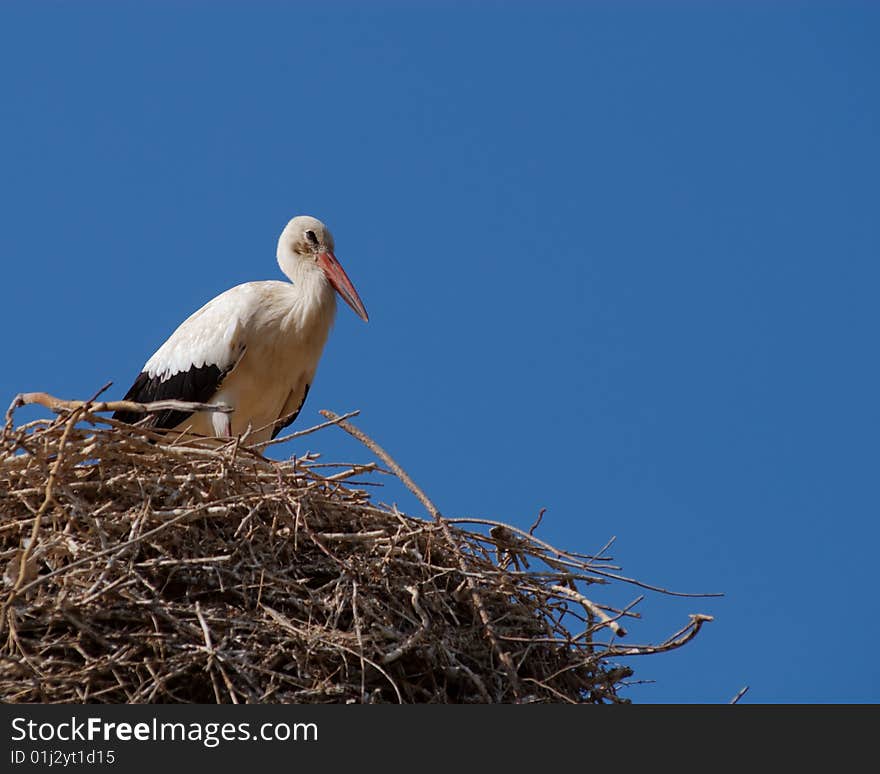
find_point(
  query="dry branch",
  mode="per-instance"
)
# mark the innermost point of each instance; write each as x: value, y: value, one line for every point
x: 58, y: 406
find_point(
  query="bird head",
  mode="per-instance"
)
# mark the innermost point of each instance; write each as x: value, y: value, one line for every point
x: 306, y: 244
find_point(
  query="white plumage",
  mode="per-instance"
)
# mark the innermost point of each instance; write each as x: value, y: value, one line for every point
x: 255, y: 347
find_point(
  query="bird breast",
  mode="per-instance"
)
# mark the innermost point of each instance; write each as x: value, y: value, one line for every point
x: 283, y: 339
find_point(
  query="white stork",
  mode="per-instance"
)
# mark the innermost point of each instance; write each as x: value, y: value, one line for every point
x: 255, y: 347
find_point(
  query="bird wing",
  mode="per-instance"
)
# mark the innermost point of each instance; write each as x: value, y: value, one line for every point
x: 291, y: 410
x: 195, y: 359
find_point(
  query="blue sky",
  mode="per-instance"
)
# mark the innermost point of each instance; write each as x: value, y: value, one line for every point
x: 621, y: 262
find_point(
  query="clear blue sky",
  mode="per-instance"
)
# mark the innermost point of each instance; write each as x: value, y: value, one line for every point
x: 621, y: 260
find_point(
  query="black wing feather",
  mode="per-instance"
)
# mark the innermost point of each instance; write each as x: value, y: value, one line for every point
x: 197, y: 385
x: 279, y: 426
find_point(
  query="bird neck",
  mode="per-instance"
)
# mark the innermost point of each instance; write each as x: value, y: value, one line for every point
x: 313, y: 297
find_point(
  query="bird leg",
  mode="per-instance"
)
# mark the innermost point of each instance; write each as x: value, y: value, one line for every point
x: 222, y: 424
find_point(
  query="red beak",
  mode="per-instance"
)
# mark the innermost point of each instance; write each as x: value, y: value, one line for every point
x: 341, y: 283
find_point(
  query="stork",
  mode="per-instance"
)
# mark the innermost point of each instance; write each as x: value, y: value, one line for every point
x: 254, y: 347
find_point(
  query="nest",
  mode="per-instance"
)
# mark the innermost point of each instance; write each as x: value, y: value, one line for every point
x: 143, y: 568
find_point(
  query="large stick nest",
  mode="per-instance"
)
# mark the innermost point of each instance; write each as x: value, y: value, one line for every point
x: 137, y: 568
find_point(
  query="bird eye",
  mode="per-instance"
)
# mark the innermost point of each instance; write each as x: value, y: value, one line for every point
x: 312, y: 239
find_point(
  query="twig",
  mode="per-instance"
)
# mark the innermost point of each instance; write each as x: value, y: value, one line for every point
x: 682, y: 636
x: 590, y: 607
x: 385, y: 457
x: 58, y: 406
x: 307, y: 431
x: 536, y: 523
x: 209, y: 646
x: 742, y: 692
